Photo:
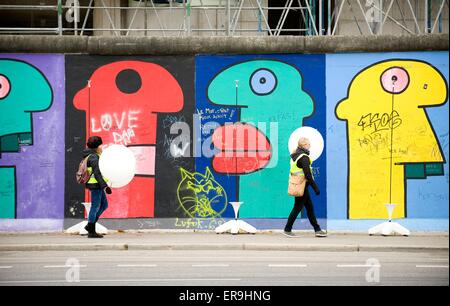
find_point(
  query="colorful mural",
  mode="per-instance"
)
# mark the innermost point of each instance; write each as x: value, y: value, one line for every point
x: 124, y: 102
x: 267, y: 97
x: 127, y: 115
x: 387, y: 131
x: 200, y: 195
x: 210, y: 129
x: 378, y: 98
x: 31, y: 136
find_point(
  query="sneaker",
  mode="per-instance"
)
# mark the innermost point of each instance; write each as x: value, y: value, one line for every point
x: 289, y: 234
x: 321, y: 233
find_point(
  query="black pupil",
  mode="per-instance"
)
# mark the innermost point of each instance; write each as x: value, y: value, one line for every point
x: 262, y: 80
x: 394, y: 78
x: 128, y: 81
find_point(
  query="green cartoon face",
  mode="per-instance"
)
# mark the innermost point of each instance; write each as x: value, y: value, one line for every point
x: 263, y: 86
x: 265, y: 91
x: 23, y: 90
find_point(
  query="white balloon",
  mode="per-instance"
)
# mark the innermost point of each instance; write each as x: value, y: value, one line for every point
x: 118, y: 165
x: 315, y: 138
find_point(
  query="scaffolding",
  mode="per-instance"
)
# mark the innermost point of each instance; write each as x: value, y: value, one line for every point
x: 236, y: 17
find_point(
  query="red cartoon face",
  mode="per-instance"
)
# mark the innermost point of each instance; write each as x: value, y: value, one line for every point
x: 121, y: 103
x: 124, y: 98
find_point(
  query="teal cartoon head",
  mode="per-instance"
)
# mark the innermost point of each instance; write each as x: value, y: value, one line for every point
x: 266, y: 92
x: 261, y: 86
x: 23, y: 90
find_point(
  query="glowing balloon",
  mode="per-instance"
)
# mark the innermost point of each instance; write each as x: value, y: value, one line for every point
x: 315, y: 138
x: 118, y: 165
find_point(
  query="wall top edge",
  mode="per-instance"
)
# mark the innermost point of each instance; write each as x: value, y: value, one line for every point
x: 220, y: 45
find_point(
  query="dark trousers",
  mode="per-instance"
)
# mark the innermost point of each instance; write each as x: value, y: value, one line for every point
x: 99, y: 203
x: 301, y: 202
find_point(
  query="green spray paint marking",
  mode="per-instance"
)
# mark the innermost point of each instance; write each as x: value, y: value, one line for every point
x: 200, y: 196
x: 7, y: 193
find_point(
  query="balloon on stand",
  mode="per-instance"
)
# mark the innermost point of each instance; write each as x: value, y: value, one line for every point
x: 315, y: 138
x: 118, y: 165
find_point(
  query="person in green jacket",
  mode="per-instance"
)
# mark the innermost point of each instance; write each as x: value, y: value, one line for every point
x: 97, y: 185
x: 302, y: 165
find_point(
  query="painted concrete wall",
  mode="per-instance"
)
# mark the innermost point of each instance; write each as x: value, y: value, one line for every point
x: 32, y: 141
x: 358, y: 144
x: 358, y: 102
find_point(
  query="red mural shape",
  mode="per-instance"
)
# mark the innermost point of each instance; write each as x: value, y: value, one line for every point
x: 243, y: 149
x: 121, y: 103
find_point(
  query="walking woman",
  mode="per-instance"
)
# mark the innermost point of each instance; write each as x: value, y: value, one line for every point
x: 96, y: 184
x: 302, y: 165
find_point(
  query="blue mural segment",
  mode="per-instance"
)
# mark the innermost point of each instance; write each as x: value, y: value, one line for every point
x: 312, y: 70
x: 425, y: 197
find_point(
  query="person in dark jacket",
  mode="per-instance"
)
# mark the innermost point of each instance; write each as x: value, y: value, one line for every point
x: 301, y: 165
x: 96, y: 184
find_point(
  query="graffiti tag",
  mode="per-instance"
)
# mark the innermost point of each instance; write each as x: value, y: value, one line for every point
x: 379, y: 122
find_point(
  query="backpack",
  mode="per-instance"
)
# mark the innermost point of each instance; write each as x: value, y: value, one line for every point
x: 82, y: 175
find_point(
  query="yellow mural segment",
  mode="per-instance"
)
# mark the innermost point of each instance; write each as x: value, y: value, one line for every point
x: 386, y: 102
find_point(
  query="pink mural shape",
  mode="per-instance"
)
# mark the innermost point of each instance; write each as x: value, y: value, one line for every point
x: 145, y: 160
x: 4, y: 86
x: 395, y: 80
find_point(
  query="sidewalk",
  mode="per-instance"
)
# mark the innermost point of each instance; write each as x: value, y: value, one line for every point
x: 204, y: 240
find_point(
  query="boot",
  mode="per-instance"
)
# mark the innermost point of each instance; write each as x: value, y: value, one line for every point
x: 88, y: 227
x: 91, y: 231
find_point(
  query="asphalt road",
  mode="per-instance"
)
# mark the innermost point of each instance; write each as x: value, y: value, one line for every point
x: 223, y: 268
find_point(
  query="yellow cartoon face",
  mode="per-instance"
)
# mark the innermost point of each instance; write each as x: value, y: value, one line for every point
x: 385, y: 114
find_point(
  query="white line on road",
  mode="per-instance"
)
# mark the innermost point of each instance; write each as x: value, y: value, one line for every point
x: 425, y: 266
x: 5, y: 267
x: 209, y: 265
x: 65, y: 266
x: 286, y: 266
x: 136, y: 266
x: 122, y: 280
x: 358, y: 266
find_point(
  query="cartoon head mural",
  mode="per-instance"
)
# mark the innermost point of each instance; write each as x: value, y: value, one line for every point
x: 264, y: 88
x: 23, y: 90
x: 389, y: 134
x: 121, y: 101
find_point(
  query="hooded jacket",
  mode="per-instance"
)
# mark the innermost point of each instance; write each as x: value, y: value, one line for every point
x: 305, y: 164
x: 93, y: 161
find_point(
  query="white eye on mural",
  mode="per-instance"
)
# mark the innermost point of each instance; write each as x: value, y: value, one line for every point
x: 263, y: 82
x: 395, y: 80
x: 5, y: 86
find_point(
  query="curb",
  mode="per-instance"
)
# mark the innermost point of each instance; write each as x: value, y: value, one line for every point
x: 404, y: 248
x: 193, y: 231
x: 218, y: 247
x: 61, y: 247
